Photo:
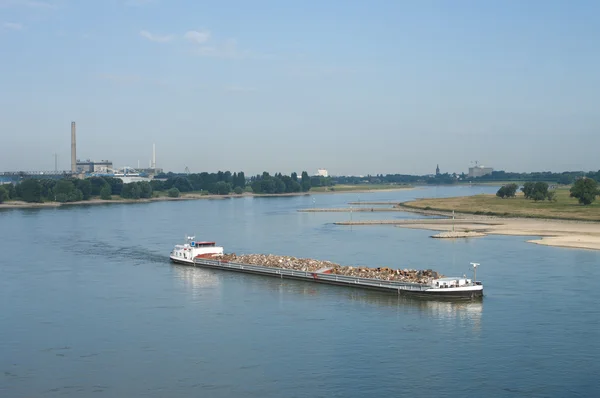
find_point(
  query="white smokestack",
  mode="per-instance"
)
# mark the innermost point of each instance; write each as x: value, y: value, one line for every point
x: 73, y: 148
x: 153, y: 156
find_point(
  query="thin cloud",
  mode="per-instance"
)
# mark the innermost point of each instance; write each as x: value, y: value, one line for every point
x: 13, y: 26
x: 156, y: 38
x: 197, y: 37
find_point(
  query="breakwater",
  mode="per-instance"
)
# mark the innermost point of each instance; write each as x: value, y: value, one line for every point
x: 350, y: 209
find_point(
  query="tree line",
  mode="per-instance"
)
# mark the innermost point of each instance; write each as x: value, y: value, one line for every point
x: 564, y: 178
x: 221, y: 183
x: 585, y: 190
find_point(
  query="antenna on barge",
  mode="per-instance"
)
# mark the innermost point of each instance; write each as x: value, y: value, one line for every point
x: 474, y: 271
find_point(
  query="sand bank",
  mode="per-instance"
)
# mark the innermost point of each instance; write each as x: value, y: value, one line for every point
x: 560, y: 233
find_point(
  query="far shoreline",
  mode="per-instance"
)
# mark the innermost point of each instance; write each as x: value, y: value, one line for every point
x: 183, y: 197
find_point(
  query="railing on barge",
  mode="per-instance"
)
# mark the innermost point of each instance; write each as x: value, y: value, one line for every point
x: 313, y: 276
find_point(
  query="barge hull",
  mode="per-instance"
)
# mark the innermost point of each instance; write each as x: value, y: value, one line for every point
x: 399, y: 288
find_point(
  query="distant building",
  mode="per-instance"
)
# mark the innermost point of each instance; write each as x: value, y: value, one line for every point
x: 479, y: 171
x: 90, y: 166
x: 322, y: 173
x: 437, y: 170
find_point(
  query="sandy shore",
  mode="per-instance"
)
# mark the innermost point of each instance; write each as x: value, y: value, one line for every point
x: 560, y: 233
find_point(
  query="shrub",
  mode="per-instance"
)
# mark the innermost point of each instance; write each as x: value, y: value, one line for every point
x: 238, y: 190
x: 105, y: 192
x: 173, y: 193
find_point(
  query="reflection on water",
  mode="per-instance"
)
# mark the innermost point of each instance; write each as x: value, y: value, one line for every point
x: 463, y: 311
x: 196, y: 280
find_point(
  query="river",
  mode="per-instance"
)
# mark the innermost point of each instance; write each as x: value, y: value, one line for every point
x: 90, y: 307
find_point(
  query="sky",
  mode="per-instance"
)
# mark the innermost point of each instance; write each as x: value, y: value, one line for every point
x: 355, y: 87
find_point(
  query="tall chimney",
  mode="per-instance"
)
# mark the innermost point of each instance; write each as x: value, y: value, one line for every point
x: 73, y: 149
x: 153, y: 156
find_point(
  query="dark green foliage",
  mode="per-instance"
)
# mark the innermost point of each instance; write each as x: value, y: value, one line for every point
x: 10, y: 190
x: 182, y: 184
x: 511, y: 190
x: 507, y: 191
x: 238, y: 190
x: 221, y: 188
x: 97, y: 183
x: 116, y: 185
x: 551, y: 196
x: 537, y: 191
x: 65, y: 190
x: 306, y: 185
x: 105, y: 192
x: 145, y: 189
x: 585, y: 190
x: 157, y: 185
x: 3, y: 194
x: 173, y: 193
x: 566, y: 179
x: 85, y: 186
x: 30, y: 190
x: 130, y: 191
x: 528, y: 189
x: 540, y: 191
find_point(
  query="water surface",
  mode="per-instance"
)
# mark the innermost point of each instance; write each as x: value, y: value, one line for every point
x: 91, y: 307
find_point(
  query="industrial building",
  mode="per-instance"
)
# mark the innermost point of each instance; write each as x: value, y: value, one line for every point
x: 479, y: 171
x: 322, y: 173
x: 90, y: 166
x: 79, y: 167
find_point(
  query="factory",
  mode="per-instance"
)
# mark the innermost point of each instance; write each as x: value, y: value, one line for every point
x: 79, y: 167
x: 89, y: 167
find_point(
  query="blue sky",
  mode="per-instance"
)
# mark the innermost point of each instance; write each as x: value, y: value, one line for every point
x: 355, y: 87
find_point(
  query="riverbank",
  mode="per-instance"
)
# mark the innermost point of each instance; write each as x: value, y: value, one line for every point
x: 564, y: 208
x: 15, y: 204
x: 558, y: 233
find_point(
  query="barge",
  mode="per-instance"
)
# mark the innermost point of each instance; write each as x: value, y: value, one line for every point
x: 208, y: 255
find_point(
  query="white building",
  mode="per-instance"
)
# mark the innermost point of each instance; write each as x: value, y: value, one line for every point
x: 322, y: 173
x: 479, y: 171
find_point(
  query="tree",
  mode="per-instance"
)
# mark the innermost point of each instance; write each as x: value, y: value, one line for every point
x: 97, y: 184
x: 540, y: 191
x: 85, y: 186
x: 501, y: 192
x: 145, y: 189
x: 130, y: 191
x: 10, y: 190
x: 511, y: 190
x: 222, y: 188
x: 3, y: 194
x: 238, y: 190
x: 585, y: 190
x: 527, y: 189
x: 551, y: 196
x: 30, y: 190
x: 305, y: 182
x: 173, y: 193
x: 105, y: 192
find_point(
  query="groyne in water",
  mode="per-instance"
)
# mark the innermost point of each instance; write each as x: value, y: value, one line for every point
x: 328, y: 267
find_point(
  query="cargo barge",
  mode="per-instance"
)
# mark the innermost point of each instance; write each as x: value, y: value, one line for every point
x: 208, y: 255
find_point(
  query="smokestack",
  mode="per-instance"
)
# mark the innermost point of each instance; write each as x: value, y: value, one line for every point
x: 153, y: 156
x: 73, y: 149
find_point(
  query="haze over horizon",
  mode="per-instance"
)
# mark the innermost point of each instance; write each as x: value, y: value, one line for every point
x: 354, y: 87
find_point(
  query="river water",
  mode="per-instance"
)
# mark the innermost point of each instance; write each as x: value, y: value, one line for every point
x: 90, y: 306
